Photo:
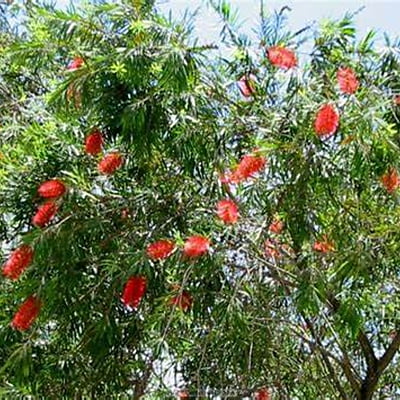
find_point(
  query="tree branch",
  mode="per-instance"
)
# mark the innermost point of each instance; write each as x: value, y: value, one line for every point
x: 387, y: 357
x: 367, y: 350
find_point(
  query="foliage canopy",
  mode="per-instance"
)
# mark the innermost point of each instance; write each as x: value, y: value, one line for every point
x: 307, y: 307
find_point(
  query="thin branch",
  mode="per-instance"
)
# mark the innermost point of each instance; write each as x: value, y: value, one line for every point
x: 387, y: 357
x: 367, y: 350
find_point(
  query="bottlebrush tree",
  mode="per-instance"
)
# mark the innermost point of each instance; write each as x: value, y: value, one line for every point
x: 182, y: 221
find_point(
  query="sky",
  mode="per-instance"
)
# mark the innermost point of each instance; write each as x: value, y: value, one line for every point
x: 382, y: 15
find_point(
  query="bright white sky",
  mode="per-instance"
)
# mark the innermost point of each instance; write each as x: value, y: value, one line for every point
x: 383, y: 15
x: 378, y: 14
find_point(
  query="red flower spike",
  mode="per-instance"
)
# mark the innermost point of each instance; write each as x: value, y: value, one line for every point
x: 276, y: 226
x: 326, y: 121
x: 182, y: 300
x: 262, y: 394
x: 160, y: 250
x: 227, y: 211
x: 246, y: 85
x: 271, y: 249
x: 324, y: 245
x: 391, y: 180
x: 248, y: 166
x: 110, y: 163
x: 347, y: 80
x: 26, y: 314
x: 18, y: 262
x: 282, y: 57
x: 44, y: 214
x: 75, y: 64
x: 52, y: 189
x: 94, y: 142
x: 134, y: 291
x: 196, y: 246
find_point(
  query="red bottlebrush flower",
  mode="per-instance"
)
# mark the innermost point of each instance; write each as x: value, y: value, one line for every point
x: 196, y: 246
x: 76, y: 63
x: 110, y: 163
x: 326, y: 121
x: 44, y: 214
x: 391, y: 180
x: 18, y: 262
x: 228, y: 211
x: 134, y: 291
x: 262, y: 394
x: 246, y: 85
x: 52, y: 189
x: 248, y: 166
x: 282, y: 57
x: 182, y: 300
x: 347, y: 79
x: 324, y: 245
x: 26, y: 314
x: 276, y: 226
x: 94, y: 142
x: 160, y: 250
x: 271, y: 249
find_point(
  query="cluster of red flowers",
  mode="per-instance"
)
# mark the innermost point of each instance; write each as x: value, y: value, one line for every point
x: 262, y: 394
x: 160, y: 250
x: 324, y: 245
x: 248, y: 166
x: 282, y: 57
x: 194, y: 247
x: 326, y: 121
x: 110, y: 163
x: 75, y: 64
x: 94, y: 145
x: 18, y: 262
x: 20, y: 259
x: 391, y: 180
x: 347, y: 80
x: 326, y: 124
x: 50, y: 190
x: 26, y: 314
x: 228, y: 211
x: 134, y: 291
x: 94, y: 142
x: 45, y: 213
x: 276, y: 226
